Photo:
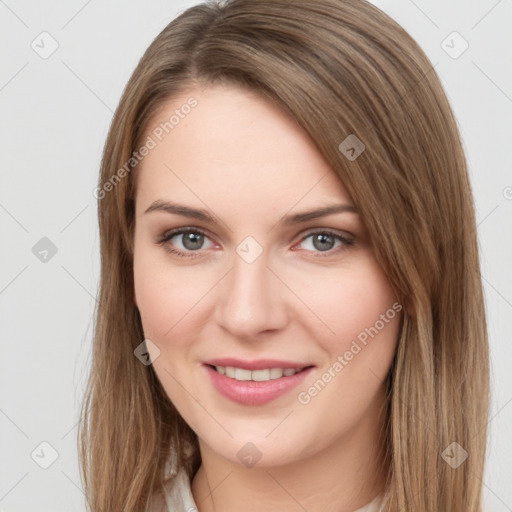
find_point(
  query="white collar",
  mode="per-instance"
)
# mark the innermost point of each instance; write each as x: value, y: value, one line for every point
x: 178, y: 497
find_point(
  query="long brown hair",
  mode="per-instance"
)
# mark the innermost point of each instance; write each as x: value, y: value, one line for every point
x: 340, y: 68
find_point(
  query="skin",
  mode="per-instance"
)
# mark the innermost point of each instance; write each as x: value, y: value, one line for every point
x: 249, y: 164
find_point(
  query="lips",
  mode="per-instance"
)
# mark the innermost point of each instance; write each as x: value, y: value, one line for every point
x: 251, y: 392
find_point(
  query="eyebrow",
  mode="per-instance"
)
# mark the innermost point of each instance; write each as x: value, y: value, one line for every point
x: 288, y: 220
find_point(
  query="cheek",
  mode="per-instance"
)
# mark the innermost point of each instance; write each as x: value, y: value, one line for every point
x: 356, y: 305
x: 166, y: 297
x: 153, y: 299
x: 166, y: 302
x: 358, y: 343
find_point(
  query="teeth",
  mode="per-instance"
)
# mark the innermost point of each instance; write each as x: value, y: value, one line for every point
x: 276, y: 373
x: 256, y: 375
x: 260, y: 375
x: 242, y: 374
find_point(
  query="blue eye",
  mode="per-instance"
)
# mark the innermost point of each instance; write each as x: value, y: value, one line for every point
x: 323, y: 242
x: 192, y: 240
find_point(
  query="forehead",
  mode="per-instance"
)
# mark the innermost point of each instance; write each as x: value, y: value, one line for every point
x: 235, y: 145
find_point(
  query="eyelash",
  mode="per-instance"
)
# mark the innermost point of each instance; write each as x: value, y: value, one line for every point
x: 167, y: 236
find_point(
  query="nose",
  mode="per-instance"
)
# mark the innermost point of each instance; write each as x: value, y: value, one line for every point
x: 251, y: 299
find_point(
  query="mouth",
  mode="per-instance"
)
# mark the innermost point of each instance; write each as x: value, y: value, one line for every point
x: 260, y: 375
x: 255, y: 387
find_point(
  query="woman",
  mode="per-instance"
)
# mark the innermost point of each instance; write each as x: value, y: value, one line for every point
x: 291, y: 313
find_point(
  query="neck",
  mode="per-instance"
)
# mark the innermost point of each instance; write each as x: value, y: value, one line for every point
x: 345, y: 476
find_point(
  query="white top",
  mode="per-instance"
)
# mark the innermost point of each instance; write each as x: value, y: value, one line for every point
x: 178, y: 497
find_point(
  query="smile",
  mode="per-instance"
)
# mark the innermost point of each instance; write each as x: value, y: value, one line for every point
x: 254, y: 387
x: 255, y: 375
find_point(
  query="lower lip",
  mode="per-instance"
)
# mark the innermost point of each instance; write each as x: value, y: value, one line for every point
x: 249, y: 392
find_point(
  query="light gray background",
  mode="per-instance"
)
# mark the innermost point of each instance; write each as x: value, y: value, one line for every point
x: 55, y: 114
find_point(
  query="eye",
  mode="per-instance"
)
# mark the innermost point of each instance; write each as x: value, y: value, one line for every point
x: 325, y: 242
x: 190, y: 240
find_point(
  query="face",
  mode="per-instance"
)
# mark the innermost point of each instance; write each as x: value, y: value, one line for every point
x: 250, y: 284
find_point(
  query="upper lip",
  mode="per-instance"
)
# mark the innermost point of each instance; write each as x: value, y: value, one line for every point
x: 257, y: 364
